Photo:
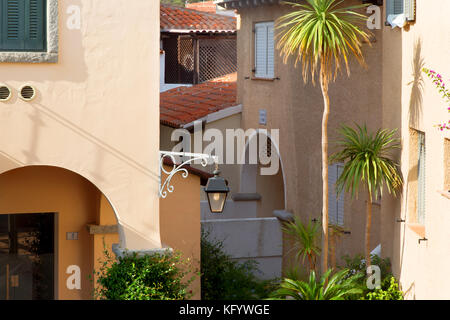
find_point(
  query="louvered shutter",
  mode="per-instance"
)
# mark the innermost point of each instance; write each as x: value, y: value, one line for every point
x: 409, y: 9
x: 22, y: 25
x: 264, y: 50
x: 335, y: 205
x: 421, y: 179
x: 260, y: 50
x: 270, y: 50
x: 340, y: 200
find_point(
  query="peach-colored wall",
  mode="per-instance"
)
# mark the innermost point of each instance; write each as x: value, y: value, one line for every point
x: 102, y: 242
x: 410, y: 101
x: 76, y: 201
x: 97, y: 110
x: 180, y: 222
x: 296, y: 110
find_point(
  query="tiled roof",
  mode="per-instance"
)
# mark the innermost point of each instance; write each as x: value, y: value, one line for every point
x: 184, y: 105
x: 177, y: 19
x: 206, y: 6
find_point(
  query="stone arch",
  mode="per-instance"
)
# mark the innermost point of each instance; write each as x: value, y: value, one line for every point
x: 250, y: 173
x: 83, y: 220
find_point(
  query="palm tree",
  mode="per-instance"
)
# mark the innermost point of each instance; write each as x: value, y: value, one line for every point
x: 323, y: 35
x: 305, y: 240
x: 367, y: 160
x: 340, y: 286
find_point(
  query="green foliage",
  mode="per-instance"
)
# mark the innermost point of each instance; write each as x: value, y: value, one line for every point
x: 366, y: 158
x: 322, y: 33
x: 389, y: 287
x: 225, y: 279
x: 305, y: 239
x: 389, y: 291
x: 149, y: 277
x: 356, y: 264
x: 339, y: 286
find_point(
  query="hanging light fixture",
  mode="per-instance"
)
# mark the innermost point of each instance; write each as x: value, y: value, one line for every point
x: 217, y: 190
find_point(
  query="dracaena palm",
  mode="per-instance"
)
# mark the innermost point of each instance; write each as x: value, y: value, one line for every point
x: 323, y: 35
x: 339, y: 286
x: 305, y: 240
x: 368, y: 163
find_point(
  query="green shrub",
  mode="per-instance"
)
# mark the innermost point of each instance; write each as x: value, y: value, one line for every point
x: 149, y: 277
x: 357, y: 265
x: 391, y: 291
x: 338, y: 286
x: 225, y: 279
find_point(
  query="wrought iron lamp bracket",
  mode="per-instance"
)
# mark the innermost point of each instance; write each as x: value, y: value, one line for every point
x: 165, y: 187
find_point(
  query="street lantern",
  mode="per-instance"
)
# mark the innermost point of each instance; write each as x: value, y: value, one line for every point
x: 217, y: 190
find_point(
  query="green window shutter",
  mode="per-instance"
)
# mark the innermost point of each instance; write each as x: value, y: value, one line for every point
x: 23, y: 25
x: 421, y: 179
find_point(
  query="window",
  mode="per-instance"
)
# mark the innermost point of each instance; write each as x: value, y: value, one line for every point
x: 335, y: 205
x: 28, y: 31
x: 421, y: 178
x: 396, y: 7
x: 23, y: 25
x: 264, y: 50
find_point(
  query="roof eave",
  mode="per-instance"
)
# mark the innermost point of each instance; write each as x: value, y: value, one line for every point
x: 188, y: 31
x: 237, y: 4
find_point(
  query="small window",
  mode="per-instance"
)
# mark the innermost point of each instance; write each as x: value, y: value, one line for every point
x: 29, y: 31
x: 397, y: 7
x: 335, y: 204
x: 22, y: 25
x: 264, y: 50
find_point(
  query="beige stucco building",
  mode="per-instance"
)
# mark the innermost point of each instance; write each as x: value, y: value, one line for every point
x: 79, y: 144
x: 392, y: 92
x: 419, y: 247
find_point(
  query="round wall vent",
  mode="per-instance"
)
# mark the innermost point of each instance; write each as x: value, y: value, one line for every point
x: 5, y: 93
x: 27, y: 92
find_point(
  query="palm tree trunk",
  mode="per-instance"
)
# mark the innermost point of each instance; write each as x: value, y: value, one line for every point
x: 333, y: 250
x: 368, y: 225
x: 326, y: 112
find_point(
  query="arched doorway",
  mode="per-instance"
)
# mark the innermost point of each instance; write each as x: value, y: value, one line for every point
x: 53, y: 223
x: 256, y: 178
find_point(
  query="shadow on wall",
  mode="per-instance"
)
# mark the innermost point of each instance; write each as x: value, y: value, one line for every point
x: 391, y: 208
x: 417, y: 85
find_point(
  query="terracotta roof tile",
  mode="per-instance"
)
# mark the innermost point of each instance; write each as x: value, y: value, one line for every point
x: 174, y: 18
x: 183, y: 105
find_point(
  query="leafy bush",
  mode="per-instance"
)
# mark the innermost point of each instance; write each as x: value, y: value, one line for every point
x: 225, y: 279
x: 357, y: 265
x: 389, y: 291
x: 338, y: 286
x: 149, y: 277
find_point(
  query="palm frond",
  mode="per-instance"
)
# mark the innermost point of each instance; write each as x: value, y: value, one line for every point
x: 338, y: 286
x: 367, y: 159
x: 322, y: 33
x: 305, y: 238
